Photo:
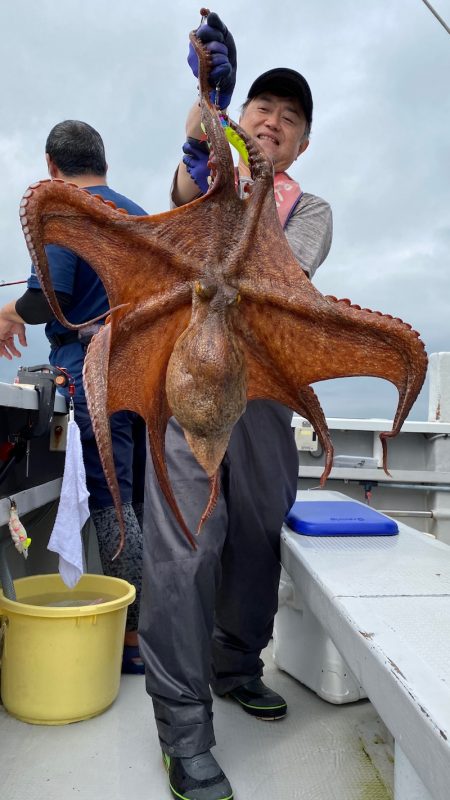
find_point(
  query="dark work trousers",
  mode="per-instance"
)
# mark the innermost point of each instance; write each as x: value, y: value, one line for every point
x: 206, y: 614
x: 127, y: 432
x: 128, y: 435
x: 128, y: 438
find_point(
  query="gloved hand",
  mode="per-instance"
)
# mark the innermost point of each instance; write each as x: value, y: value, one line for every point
x: 220, y: 43
x: 196, y: 155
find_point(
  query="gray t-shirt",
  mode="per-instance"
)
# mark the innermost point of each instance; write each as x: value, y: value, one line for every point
x: 309, y: 232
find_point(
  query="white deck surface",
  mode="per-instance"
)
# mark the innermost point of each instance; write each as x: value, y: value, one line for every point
x: 314, y: 754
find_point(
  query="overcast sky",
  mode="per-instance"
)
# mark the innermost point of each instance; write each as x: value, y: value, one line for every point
x: 379, y: 71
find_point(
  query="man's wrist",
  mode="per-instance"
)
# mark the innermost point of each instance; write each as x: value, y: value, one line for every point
x: 9, y: 313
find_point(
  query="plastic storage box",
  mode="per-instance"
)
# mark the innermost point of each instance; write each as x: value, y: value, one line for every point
x: 301, y: 646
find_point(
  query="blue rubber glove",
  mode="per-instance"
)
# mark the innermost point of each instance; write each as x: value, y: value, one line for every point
x: 220, y: 43
x: 196, y: 155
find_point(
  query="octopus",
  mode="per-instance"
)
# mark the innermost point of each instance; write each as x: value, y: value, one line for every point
x: 209, y: 309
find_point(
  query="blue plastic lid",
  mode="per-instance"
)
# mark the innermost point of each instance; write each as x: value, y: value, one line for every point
x: 338, y: 518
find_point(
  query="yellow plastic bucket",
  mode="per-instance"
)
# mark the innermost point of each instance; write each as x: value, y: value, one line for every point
x: 61, y: 662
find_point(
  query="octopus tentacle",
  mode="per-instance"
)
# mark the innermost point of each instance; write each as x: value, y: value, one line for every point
x: 95, y: 378
x: 379, y: 347
x: 265, y: 382
x: 214, y: 489
x: 102, y: 376
x: 54, y: 212
x: 223, y: 177
x: 144, y: 393
x: 308, y: 406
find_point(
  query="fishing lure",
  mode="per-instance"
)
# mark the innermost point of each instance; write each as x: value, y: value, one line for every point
x: 233, y: 138
x: 18, y: 533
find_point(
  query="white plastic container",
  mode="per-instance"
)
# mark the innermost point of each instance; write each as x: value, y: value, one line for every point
x: 305, y: 651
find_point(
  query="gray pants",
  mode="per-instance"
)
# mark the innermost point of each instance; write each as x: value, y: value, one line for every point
x: 207, y: 614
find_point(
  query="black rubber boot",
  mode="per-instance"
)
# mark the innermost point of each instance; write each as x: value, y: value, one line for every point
x: 197, y: 778
x: 258, y: 700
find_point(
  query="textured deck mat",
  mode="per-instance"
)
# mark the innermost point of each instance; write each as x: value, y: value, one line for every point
x: 314, y: 754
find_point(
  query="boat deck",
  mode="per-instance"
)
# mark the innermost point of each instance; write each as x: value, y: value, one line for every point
x: 316, y: 753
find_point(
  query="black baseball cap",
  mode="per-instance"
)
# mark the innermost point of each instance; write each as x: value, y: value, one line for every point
x: 285, y: 83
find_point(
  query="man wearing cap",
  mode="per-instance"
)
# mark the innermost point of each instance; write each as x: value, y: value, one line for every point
x: 207, y: 614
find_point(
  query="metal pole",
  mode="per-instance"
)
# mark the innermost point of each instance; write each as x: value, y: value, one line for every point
x: 395, y: 513
x: 444, y: 24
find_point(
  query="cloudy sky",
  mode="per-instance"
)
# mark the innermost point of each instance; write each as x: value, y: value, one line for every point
x: 380, y: 149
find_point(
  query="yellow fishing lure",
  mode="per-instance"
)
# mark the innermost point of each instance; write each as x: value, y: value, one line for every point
x: 234, y: 139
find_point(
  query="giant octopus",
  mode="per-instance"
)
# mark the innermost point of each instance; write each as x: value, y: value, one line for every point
x: 210, y: 309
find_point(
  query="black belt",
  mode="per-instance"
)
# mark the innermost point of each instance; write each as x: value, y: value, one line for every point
x: 60, y: 339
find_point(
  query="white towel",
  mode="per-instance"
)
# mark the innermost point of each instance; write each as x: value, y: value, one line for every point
x: 73, y: 511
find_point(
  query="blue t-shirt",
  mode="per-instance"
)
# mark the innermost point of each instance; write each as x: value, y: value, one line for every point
x: 73, y: 276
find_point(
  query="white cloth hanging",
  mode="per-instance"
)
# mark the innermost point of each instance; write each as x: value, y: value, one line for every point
x: 73, y: 510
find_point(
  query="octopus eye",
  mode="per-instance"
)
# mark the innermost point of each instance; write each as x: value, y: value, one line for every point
x: 205, y: 292
x: 237, y: 299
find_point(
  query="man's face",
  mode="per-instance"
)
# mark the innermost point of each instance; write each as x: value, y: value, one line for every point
x: 279, y: 125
